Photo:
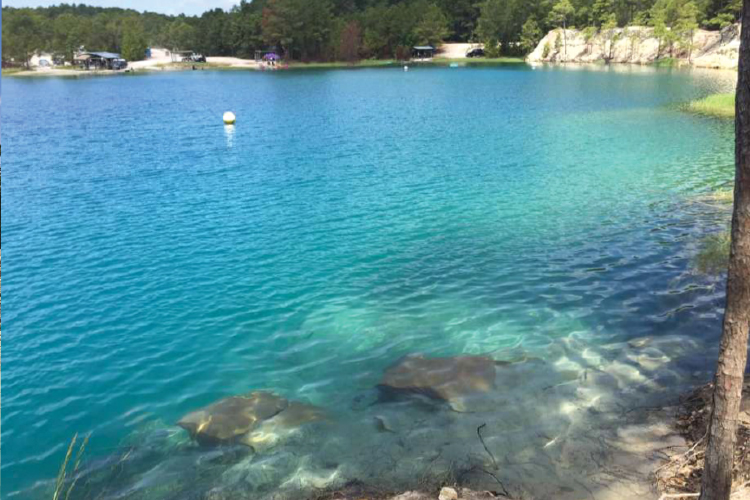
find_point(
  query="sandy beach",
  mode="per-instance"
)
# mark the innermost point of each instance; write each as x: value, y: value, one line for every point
x: 161, y: 60
x: 456, y: 50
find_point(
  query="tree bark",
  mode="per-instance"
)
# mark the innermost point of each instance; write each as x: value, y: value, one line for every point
x: 722, y: 430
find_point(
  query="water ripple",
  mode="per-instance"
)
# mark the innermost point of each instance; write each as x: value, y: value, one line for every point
x: 156, y: 262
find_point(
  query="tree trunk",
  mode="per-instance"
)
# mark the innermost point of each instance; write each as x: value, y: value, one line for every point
x: 722, y: 430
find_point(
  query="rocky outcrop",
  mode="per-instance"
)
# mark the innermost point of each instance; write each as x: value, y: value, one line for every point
x: 638, y: 45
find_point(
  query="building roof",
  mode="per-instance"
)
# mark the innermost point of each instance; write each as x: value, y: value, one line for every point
x: 424, y: 47
x: 105, y: 55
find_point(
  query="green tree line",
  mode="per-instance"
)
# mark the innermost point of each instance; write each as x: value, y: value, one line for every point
x: 344, y: 29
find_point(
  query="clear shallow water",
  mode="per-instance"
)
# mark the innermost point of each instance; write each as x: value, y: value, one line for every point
x: 156, y: 261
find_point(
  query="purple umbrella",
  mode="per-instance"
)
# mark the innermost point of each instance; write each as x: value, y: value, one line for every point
x: 271, y: 57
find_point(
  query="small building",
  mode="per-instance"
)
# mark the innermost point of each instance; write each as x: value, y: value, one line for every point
x: 100, y: 60
x: 423, y: 52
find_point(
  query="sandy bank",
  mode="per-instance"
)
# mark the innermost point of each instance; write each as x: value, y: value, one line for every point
x: 456, y: 50
x: 69, y: 72
x: 233, y: 62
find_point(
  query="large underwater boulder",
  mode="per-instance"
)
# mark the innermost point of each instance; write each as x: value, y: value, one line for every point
x: 449, y: 379
x: 283, y: 425
x: 225, y: 421
x: 254, y: 419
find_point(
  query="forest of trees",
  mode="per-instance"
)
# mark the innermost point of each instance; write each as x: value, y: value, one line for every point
x: 341, y: 29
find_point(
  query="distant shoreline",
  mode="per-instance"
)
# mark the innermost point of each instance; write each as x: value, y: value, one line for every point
x: 363, y: 64
x: 250, y: 65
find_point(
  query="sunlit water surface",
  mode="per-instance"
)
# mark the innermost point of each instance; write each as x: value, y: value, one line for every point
x: 156, y: 261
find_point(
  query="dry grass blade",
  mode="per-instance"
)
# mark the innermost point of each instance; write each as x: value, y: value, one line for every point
x: 683, y: 456
x: 77, y: 466
x: 60, y: 480
x: 63, y: 472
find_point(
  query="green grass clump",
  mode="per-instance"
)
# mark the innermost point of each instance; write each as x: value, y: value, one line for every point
x: 713, y: 257
x: 720, y: 105
x: 667, y: 62
x: 477, y: 61
x: 189, y: 65
x: 376, y: 63
x: 12, y: 71
x: 723, y: 196
x: 70, y: 68
x: 364, y: 63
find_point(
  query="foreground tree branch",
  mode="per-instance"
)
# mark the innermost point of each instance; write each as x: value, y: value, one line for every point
x: 722, y: 431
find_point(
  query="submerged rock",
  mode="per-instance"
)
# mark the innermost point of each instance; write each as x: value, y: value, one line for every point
x: 448, y: 379
x: 283, y: 425
x: 255, y: 419
x: 382, y: 424
x: 225, y: 421
x: 639, y: 343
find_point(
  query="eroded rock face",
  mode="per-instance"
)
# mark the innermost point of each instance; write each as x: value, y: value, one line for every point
x: 448, y: 379
x: 639, y: 45
x: 252, y: 419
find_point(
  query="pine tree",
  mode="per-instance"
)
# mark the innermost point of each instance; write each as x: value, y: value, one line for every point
x: 685, y: 27
x: 22, y: 35
x: 722, y: 429
x: 134, y: 43
x: 351, y: 40
x: 610, y: 36
x: 530, y: 35
x: 433, y: 27
x: 561, y: 13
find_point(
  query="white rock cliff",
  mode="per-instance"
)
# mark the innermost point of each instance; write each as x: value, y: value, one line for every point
x: 638, y: 45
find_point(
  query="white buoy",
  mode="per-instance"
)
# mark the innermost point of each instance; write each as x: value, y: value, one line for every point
x: 406, y: 68
x: 229, y: 118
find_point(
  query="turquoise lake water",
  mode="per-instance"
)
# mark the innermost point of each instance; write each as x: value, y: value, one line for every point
x: 156, y: 261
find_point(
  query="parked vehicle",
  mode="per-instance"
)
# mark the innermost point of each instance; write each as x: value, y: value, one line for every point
x: 194, y: 58
x: 119, y: 64
x: 475, y: 52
